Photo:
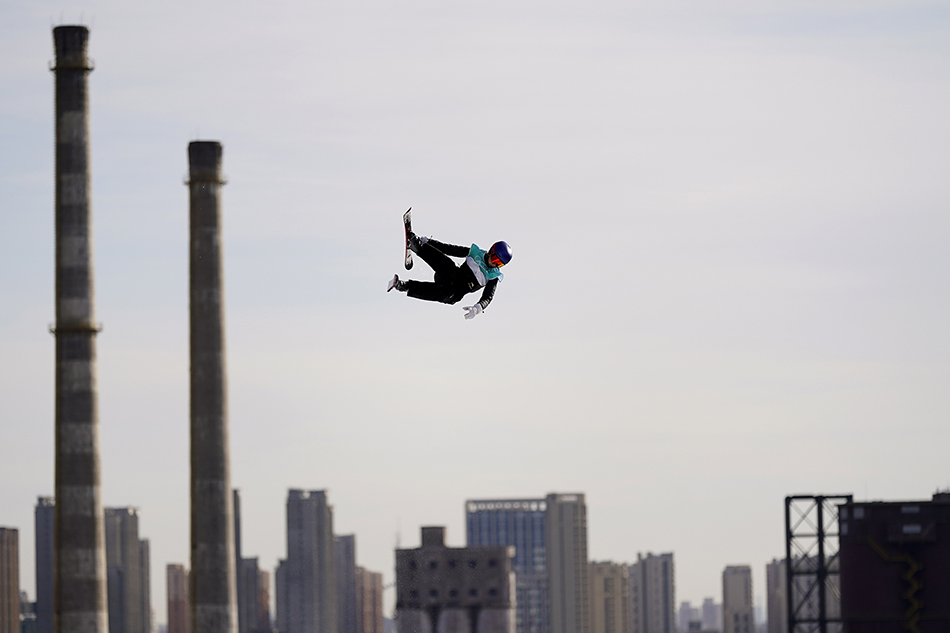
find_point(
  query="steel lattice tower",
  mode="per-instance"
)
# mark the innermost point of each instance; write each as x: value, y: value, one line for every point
x: 812, y: 568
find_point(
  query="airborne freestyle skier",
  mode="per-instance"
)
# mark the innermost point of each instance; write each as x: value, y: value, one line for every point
x: 479, y: 269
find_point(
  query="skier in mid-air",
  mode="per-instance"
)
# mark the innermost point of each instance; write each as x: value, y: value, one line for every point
x: 479, y: 269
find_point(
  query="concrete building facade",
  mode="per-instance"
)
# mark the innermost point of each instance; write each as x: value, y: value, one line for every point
x: 776, y: 596
x: 145, y: 558
x: 609, y: 597
x: 242, y: 606
x: 345, y: 569
x: 176, y: 589
x: 80, y: 578
x: 369, y: 601
x: 264, y: 622
x: 254, y: 604
x: 127, y: 572
x: 712, y: 615
x: 686, y: 615
x: 653, y: 594
x: 213, y: 573
x: 44, y: 517
x: 550, y: 539
x: 9, y: 580
x: 306, y: 580
x: 442, y: 589
x: 738, y: 615
x: 565, y: 526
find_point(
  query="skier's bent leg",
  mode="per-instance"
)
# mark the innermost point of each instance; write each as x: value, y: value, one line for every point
x: 437, y: 260
x: 429, y: 291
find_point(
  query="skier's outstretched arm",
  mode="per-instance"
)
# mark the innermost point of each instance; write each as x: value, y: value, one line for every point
x: 487, y: 294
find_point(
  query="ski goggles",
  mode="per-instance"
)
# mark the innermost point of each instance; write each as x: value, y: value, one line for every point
x: 494, y: 260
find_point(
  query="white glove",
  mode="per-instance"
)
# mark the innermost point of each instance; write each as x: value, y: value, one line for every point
x: 472, y: 311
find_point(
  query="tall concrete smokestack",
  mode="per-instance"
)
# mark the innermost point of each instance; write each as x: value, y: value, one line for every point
x: 213, y: 587
x: 80, y: 576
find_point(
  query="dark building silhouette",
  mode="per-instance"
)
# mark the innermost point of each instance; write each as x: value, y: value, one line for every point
x: 80, y: 579
x: 895, y: 566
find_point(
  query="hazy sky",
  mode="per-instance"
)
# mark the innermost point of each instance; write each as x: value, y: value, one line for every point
x: 731, y: 274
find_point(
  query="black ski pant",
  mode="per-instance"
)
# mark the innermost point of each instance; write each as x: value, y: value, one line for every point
x: 451, y: 282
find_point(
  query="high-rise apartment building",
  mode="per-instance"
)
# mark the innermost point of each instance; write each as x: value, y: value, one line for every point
x: 686, y: 616
x: 454, y: 589
x: 252, y: 584
x: 653, y: 593
x: 369, y: 601
x: 712, y: 615
x: 145, y: 557
x: 255, y: 596
x: 44, y: 517
x: 737, y: 611
x: 127, y: 570
x: 565, y: 527
x: 280, y: 597
x: 609, y: 598
x: 264, y: 623
x: 9, y: 580
x: 518, y: 523
x: 776, y: 598
x: 306, y: 582
x: 550, y: 540
x: 242, y: 607
x: 345, y: 569
x: 176, y: 588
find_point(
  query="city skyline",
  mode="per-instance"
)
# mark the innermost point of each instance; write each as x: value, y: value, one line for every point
x: 728, y: 286
x: 648, y: 581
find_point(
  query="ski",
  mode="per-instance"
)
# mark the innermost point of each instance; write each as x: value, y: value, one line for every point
x: 407, y: 224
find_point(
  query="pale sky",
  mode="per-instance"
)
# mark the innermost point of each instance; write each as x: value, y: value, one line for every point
x: 731, y: 274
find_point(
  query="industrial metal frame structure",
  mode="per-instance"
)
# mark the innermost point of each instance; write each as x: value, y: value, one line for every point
x: 812, y: 567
